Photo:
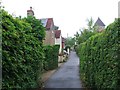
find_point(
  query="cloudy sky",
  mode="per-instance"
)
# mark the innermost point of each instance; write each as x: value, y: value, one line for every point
x: 69, y: 15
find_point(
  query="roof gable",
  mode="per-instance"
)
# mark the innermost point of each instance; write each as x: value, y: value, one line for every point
x: 99, y: 22
x: 57, y: 33
x: 49, y: 23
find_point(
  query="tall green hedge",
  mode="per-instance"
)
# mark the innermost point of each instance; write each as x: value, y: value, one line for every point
x: 22, y: 53
x: 51, y: 57
x: 99, y: 62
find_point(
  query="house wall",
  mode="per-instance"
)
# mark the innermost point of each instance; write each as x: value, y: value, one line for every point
x: 58, y: 41
x: 100, y: 28
x: 52, y: 26
x: 49, y: 38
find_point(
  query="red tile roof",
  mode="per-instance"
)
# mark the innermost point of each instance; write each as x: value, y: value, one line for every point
x: 57, y: 33
x: 49, y: 22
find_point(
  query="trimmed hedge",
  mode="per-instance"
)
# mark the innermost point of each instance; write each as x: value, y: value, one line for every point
x: 51, y: 57
x: 22, y: 53
x: 99, y: 62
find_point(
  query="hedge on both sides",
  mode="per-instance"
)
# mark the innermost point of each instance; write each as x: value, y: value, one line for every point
x: 99, y: 62
x: 22, y: 53
x: 51, y: 57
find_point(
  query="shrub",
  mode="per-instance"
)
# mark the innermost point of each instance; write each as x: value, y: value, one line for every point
x: 99, y: 63
x: 51, y: 57
x: 22, y: 54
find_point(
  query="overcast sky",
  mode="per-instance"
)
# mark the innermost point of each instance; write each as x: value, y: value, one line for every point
x: 69, y: 15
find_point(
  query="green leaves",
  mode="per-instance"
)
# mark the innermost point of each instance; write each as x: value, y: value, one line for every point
x: 37, y: 28
x: 22, y: 52
x: 99, y: 64
x: 51, y: 57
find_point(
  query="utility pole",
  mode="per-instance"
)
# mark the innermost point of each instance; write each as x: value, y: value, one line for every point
x: 67, y: 35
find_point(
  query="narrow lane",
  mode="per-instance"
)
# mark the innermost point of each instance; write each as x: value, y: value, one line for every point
x: 67, y: 76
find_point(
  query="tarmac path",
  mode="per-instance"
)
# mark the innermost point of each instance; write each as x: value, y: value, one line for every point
x: 67, y: 76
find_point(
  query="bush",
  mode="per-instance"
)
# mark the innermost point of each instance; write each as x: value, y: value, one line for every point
x: 99, y: 62
x: 76, y: 48
x: 22, y: 54
x: 51, y: 57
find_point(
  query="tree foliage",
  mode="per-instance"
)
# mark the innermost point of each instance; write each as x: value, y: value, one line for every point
x: 99, y: 61
x: 38, y: 29
x: 70, y: 41
x: 86, y: 33
x: 51, y: 57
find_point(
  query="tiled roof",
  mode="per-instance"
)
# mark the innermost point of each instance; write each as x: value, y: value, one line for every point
x: 99, y: 22
x: 57, y: 33
x: 49, y: 22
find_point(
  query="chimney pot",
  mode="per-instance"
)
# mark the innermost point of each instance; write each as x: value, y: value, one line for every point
x: 30, y: 8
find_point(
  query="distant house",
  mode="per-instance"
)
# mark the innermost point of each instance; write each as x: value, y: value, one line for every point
x: 53, y: 35
x: 58, y: 39
x: 30, y: 12
x: 99, y: 25
x: 63, y: 42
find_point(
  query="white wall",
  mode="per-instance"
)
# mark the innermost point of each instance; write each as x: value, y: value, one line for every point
x: 58, y: 41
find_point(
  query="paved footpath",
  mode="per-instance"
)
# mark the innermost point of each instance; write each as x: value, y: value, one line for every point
x: 67, y: 76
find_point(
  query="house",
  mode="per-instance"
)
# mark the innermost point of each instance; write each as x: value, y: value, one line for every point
x: 53, y: 35
x: 63, y: 42
x: 30, y: 12
x: 50, y: 36
x: 99, y: 25
x: 48, y: 23
x: 58, y: 39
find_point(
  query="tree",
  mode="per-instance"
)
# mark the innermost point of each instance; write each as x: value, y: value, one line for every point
x: 70, y: 41
x: 85, y: 33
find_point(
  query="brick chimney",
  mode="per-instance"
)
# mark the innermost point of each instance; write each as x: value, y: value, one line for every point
x: 30, y: 12
x: 30, y: 8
